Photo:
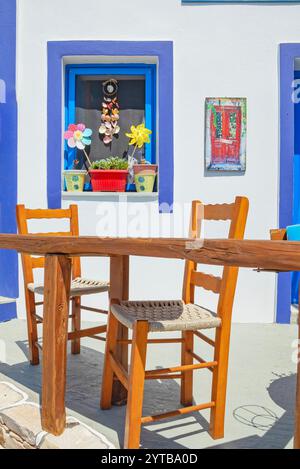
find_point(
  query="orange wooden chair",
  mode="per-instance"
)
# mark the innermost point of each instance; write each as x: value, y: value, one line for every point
x: 79, y: 287
x: 179, y: 315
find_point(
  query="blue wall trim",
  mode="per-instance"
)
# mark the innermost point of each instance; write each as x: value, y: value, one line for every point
x: 161, y: 49
x: 8, y: 149
x: 296, y: 212
x: 8, y: 311
x: 288, y: 53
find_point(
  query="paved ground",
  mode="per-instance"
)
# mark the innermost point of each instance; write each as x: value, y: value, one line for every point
x: 260, y: 395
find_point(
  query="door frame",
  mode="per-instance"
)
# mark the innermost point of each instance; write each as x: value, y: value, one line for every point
x: 287, y: 53
x: 9, y: 279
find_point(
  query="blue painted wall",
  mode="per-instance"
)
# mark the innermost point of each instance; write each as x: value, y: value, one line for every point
x: 296, y: 185
x: 297, y: 116
x: 296, y: 221
x: 8, y: 152
x: 288, y: 53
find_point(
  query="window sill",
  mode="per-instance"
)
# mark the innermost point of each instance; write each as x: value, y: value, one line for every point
x: 112, y: 196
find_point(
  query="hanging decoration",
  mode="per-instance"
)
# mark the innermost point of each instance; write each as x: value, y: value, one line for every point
x: 110, y: 116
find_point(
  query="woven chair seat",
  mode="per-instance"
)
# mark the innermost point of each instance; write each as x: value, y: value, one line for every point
x: 79, y: 286
x: 165, y: 315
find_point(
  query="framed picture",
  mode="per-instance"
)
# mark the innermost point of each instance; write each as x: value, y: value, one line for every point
x: 225, y: 134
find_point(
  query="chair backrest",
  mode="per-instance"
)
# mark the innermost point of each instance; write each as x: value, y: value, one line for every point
x: 223, y: 286
x: 24, y: 214
x: 278, y: 234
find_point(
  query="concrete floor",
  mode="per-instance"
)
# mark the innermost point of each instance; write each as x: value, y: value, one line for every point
x: 261, y: 390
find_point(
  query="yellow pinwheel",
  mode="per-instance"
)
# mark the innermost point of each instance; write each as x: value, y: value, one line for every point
x: 139, y: 135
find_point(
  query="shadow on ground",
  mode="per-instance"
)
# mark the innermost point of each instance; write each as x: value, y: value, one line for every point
x: 278, y: 431
x: 83, y: 396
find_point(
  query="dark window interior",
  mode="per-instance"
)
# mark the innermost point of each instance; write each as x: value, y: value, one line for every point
x: 89, y: 98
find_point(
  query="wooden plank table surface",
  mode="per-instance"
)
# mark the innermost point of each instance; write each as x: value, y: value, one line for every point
x: 274, y: 255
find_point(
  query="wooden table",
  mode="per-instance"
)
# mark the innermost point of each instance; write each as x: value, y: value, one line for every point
x: 262, y: 254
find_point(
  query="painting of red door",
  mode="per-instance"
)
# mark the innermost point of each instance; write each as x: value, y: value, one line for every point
x: 226, y: 135
x: 225, y: 131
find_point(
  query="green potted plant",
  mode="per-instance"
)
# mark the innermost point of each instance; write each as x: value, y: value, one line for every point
x: 109, y: 174
x: 144, y: 173
x: 77, y: 136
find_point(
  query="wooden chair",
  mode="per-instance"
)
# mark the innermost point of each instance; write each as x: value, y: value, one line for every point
x: 79, y: 287
x: 180, y: 315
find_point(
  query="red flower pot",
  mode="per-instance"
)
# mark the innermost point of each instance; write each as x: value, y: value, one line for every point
x: 108, y: 180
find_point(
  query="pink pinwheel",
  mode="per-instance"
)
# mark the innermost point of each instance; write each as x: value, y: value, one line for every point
x: 78, y: 136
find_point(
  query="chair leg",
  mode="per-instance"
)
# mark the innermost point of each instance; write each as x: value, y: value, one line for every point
x: 32, y: 328
x: 76, y: 323
x: 136, y: 386
x: 186, y: 359
x: 219, y: 384
x: 108, y: 375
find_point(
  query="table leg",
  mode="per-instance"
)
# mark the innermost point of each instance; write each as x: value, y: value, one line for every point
x: 119, y: 290
x: 55, y: 335
x: 297, y: 410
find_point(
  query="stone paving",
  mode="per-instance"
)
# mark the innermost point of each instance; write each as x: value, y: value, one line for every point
x: 260, y: 404
x: 20, y: 426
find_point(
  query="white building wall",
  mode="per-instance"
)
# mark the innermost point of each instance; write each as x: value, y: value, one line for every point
x: 219, y: 50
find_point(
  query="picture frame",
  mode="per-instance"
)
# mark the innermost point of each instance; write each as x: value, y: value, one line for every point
x: 225, y: 134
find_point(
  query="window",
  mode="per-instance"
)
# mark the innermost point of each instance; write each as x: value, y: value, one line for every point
x: 60, y: 54
x: 136, y: 97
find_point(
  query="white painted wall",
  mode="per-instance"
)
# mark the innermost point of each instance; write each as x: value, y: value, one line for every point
x: 219, y: 50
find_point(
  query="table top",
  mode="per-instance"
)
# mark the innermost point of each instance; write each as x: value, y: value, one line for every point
x: 262, y: 254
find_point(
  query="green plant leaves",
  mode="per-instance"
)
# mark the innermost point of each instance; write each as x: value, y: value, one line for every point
x: 113, y: 162
x: 212, y: 108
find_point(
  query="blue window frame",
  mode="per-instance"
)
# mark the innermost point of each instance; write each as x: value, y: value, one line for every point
x: 8, y: 145
x: 128, y: 69
x: 162, y: 51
